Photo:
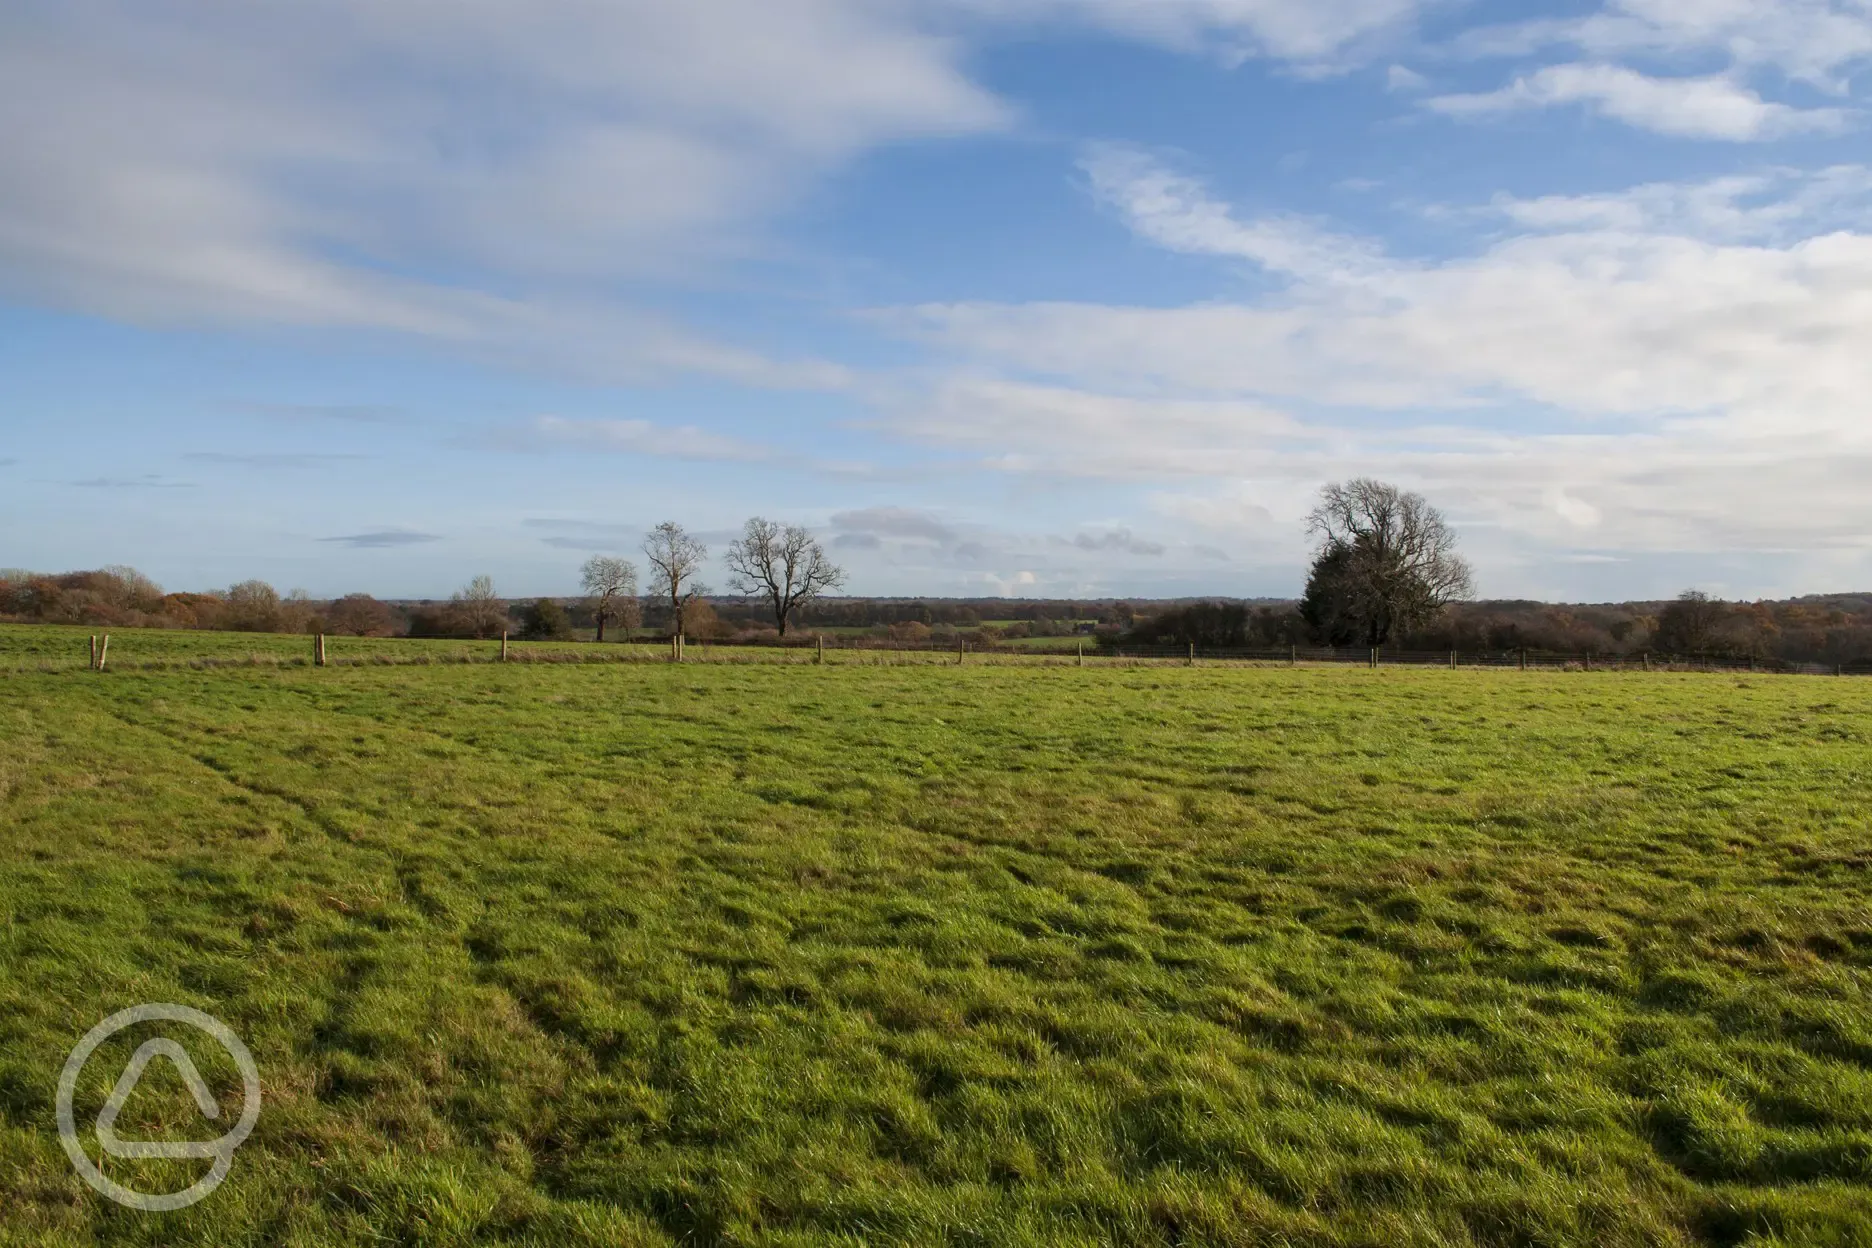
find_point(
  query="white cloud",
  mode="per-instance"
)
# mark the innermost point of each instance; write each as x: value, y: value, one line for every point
x: 1575, y: 511
x: 1678, y: 368
x: 1818, y: 41
x: 1176, y: 211
x: 1777, y: 206
x: 323, y: 164
x: 1702, y: 108
x: 1309, y: 33
x: 900, y: 523
x: 1586, y: 320
x: 500, y: 175
x: 1022, y: 427
x: 1116, y: 540
x: 1403, y: 78
x: 1020, y: 584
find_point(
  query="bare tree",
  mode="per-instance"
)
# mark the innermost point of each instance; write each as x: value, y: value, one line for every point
x: 251, y: 607
x: 675, y: 558
x: 299, y: 614
x: 611, y: 584
x: 479, y: 608
x: 783, y: 564
x: 1386, y: 563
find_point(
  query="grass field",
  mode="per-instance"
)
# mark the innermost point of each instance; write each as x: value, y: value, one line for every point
x: 61, y: 647
x: 65, y: 647
x: 1000, y: 954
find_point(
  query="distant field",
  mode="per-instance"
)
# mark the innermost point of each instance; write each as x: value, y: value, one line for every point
x: 1016, y: 954
x: 34, y: 647
x: 31, y: 645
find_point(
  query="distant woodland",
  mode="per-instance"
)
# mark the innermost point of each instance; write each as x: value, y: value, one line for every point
x: 1825, y: 628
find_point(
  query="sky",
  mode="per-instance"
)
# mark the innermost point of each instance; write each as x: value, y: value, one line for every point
x: 1040, y: 298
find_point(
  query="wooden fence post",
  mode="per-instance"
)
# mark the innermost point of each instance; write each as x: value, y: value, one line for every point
x: 819, y: 652
x: 1374, y: 656
x: 318, y: 649
x: 503, y: 645
x: 682, y: 647
x: 1452, y: 660
x: 1082, y: 654
x: 961, y: 650
x: 1191, y: 661
x: 1589, y: 661
x: 93, y: 663
x: 1522, y: 654
x: 1647, y: 660
x: 103, y: 651
x: 1293, y: 656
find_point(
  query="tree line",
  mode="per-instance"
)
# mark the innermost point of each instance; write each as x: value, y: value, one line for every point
x: 780, y: 566
x: 1385, y: 572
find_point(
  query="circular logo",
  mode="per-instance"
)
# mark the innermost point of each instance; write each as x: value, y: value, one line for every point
x: 221, y: 1150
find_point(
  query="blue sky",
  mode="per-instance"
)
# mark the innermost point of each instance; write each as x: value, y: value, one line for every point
x: 1036, y: 297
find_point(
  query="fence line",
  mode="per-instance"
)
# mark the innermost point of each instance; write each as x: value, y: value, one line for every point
x: 1529, y: 660
x: 327, y: 650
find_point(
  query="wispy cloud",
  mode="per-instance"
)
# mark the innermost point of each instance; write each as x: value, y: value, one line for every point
x: 592, y: 536
x: 1628, y: 363
x: 1119, y: 540
x: 1716, y: 107
x: 282, y: 152
x: 1816, y: 41
x: 1661, y: 320
x: 1777, y: 206
x: 913, y: 533
x: 897, y: 522
x: 1021, y: 427
x: 378, y: 539
x: 1313, y: 36
x: 1176, y: 211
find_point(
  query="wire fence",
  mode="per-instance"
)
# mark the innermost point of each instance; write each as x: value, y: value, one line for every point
x: 1524, y: 660
x: 135, y: 649
x: 1364, y: 656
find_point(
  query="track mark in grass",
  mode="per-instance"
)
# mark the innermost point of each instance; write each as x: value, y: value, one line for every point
x: 1082, y: 985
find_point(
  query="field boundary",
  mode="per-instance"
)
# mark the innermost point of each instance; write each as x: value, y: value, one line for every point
x: 95, y: 652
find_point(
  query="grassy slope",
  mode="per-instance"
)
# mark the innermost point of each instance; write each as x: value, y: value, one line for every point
x: 992, y: 955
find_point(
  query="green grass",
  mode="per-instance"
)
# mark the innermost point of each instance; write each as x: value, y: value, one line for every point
x: 1002, y: 954
x: 31, y: 647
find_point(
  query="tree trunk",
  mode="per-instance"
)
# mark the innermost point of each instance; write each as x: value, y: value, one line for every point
x: 601, y: 620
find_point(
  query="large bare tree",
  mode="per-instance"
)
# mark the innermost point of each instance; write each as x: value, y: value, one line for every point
x: 1386, y: 563
x: 675, y: 558
x: 782, y: 563
x: 611, y: 584
x: 478, y: 608
x: 251, y: 607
